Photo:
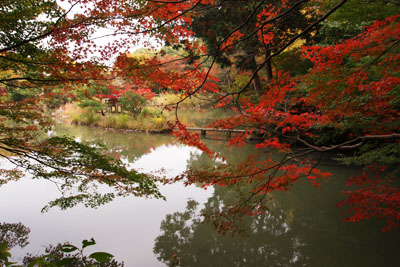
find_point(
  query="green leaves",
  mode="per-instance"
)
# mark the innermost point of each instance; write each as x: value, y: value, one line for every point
x: 101, y: 256
x: 70, y: 255
x: 132, y: 102
x: 5, y: 254
x: 64, y: 262
x: 351, y: 19
x: 68, y: 248
x: 80, y: 168
x: 98, y: 256
x: 87, y: 243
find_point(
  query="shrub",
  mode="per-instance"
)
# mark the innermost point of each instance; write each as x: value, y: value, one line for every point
x: 132, y: 103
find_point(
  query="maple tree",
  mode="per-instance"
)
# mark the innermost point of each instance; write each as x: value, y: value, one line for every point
x: 239, y: 19
x: 337, y: 97
x: 347, y: 101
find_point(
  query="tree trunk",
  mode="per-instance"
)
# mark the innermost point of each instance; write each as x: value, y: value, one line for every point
x: 257, y: 83
x: 268, y: 64
x: 256, y: 80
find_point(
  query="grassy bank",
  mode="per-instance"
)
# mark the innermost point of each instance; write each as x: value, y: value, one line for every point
x: 152, y: 118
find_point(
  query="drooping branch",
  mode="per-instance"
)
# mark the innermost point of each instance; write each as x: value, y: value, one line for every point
x: 359, y: 141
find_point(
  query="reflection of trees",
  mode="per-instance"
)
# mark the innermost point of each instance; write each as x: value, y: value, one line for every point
x: 130, y: 146
x: 270, y: 239
x: 15, y: 234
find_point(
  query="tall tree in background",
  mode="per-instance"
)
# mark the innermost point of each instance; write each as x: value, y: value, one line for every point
x: 257, y: 21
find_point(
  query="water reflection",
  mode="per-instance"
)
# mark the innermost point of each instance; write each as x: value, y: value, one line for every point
x: 129, y: 146
x: 125, y: 227
x: 302, y: 229
x: 297, y: 231
x: 17, y: 234
x: 270, y: 239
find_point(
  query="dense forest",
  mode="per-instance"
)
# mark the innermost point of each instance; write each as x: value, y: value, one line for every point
x: 310, y: 79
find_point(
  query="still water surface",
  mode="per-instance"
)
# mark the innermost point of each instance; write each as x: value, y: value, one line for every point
x: 302, y: 229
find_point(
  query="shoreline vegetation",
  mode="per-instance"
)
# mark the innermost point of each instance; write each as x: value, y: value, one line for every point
x: 152, y: 119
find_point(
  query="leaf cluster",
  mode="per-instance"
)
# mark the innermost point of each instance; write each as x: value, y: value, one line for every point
x: 63, y: 255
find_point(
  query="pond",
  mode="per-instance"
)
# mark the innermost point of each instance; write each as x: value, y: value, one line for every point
x: 303, y: 227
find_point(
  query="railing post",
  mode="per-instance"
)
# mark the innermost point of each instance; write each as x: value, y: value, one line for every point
x: 203, y: 132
